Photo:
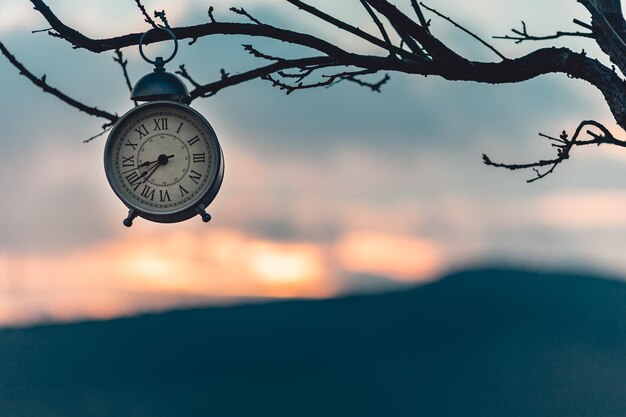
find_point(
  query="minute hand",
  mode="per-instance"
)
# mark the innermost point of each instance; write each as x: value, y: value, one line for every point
x: 144, y: 164
x: 160, y: 161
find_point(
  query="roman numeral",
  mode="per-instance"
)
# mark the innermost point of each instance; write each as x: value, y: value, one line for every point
x: 179, y: 127
x: 134, y: 180
x: 193, y: 140
x: 142, y: 131
x: 195, y: 176
x: 165, y: 196
x: 182, y: 190
x: 128, y: 162
x: 199, y: 157
x: 160, y: 124
x: 148, y: 192
x: 132, y: 145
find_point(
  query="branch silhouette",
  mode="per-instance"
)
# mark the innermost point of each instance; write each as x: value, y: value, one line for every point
x: 523, y: 35
x: 45, y: 86
x: 564, y: 145
x: 403, y: 43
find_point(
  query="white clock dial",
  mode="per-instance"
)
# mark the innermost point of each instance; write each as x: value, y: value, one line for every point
x: 164, y: 158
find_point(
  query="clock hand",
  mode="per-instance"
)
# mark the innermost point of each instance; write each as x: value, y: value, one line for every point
x: 144, y: 164
x: 150, y: 171
x: 162, y: 160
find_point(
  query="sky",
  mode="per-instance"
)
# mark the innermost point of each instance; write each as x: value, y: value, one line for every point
x: 326, y: 191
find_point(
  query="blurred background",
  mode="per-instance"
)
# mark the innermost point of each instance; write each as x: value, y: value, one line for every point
x: 326, y: 192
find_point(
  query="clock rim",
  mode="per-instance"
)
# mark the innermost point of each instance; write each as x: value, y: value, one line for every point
x: 189, y: 209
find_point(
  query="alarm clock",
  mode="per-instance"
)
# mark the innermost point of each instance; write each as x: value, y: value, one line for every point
x: 162, y: 158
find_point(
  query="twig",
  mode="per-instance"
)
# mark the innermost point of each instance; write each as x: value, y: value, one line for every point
x: 241, y: 11
x: 404, y: 32
x: 227, y: 80
x: 105, y: 128
x: 161, y: 15
x: 523, y: 35
x: 258, y: 54
x: 583, y: 24
x: 378, y: 23
x: 473, y: 35
x: 182, y: 71
x: 564, y: 145
x: 119, y: 58
x: 146, y: 16
x: 349, y: 28
x: 408, y: 40
x: 420, y: 16
x: 375, y: 87
x: 41, y: 30
x: 329, y: 80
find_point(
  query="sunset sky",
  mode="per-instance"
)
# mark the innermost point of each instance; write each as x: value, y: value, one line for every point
x: 326, y: 191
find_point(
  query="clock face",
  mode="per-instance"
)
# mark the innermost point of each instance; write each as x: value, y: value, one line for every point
x: 163, y: 160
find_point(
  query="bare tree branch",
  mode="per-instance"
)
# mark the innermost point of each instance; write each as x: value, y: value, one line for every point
x: 583, y: 24
x: 78, y: 40
x: 191, y: 32
x: 105, y: 128
x: 408, y: 40
x: 327, y: 80
x: 258, y: 54
x: 406, y: 26
x: 418, y: 12
x: 182, y: 71
x: 41, y: 83
x: 421, y: 53
x: 41, y: 30
x: 213, y: 88
x: 119, y: 58
x: 210, y: 12
x: 523, y: 35
x: 344, y: 26
x: 146, y: 16
x: 161, y: 15
x: 473, y: 35
x: 564, y: 146
x: 605, y: 30
x: 378, y: 23
x: 241, y: 11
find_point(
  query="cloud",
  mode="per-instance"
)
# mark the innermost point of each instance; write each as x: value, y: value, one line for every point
x: 155, y: 269
x: 583, y: 210
x: 16, y: 14
x: 150, y: 271
x: 55, y: 197
x: 400, y: 257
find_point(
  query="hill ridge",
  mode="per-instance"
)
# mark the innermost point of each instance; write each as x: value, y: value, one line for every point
x: 488, y: 342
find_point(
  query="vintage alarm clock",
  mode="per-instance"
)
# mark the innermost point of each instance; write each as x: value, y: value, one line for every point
x: 162, y: 158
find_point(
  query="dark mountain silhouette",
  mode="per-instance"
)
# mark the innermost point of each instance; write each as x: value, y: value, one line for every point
x: 483, y: 343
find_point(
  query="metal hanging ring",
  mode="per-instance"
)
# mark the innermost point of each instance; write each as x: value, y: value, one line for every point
x: 154, y: 62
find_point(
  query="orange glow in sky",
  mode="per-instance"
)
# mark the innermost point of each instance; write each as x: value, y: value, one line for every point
x: 404, y: 258
x: 156, y: 270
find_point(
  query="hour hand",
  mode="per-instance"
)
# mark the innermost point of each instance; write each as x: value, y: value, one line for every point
x: 162, y: 160
x: 142, y: 165
x: 147, y: 163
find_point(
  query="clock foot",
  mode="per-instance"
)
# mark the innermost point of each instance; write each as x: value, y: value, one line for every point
x: 201, y: 210
x: 128, y: 221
